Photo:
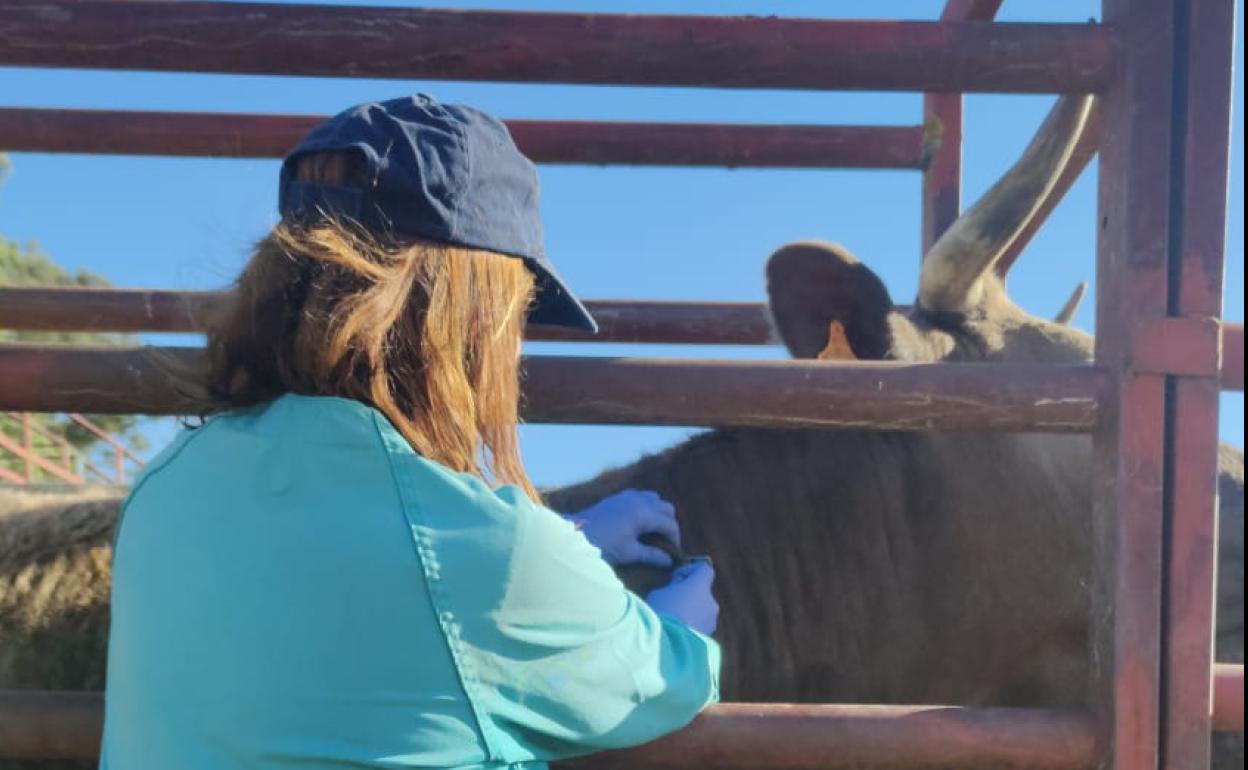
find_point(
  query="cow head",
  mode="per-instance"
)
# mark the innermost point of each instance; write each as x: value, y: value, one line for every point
x: 827, y: 304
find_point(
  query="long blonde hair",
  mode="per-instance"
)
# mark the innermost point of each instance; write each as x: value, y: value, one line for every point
x: 428, y: 334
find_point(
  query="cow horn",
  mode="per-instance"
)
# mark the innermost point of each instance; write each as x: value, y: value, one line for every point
x: 1072, y: 305
x: 956, y: 263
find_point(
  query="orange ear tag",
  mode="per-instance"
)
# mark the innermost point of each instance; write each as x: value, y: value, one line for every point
x: 838, y: 348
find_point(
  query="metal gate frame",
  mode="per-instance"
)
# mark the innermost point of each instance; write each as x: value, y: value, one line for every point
x: 1163, y: 70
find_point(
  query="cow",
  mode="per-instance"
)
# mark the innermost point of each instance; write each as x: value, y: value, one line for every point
x: 903, y: 567
x: 853, y: 565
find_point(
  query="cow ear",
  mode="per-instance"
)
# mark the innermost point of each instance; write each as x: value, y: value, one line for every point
x: 826, y: 304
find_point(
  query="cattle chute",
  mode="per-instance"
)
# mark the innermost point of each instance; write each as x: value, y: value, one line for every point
x: 1156, y: 188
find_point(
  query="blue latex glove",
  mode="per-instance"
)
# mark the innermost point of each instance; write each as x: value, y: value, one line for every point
x: 614, y: 525
x: 688, y: 597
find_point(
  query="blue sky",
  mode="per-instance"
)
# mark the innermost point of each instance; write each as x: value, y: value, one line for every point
x: 614, y: 232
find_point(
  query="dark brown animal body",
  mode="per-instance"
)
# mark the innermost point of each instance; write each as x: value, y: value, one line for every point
x: 904, y: 568
x: 55, y: 574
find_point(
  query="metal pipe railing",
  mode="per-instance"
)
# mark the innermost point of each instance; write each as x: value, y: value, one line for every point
x: 65, y: 725
x: 942, y: 124
x: 1228, y: 697
x: 608, y: 49
x: 28, y: 453
x: 574, y: 389
x: 233, y: 135
x: 1153, y: 431
x: 32, y: 308
x: 1200, y: 122
x: 74, y: 464
x: 26, y: 308
x: 730, y: 736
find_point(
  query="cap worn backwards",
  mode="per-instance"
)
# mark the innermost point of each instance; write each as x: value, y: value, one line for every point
x: 444, y: 172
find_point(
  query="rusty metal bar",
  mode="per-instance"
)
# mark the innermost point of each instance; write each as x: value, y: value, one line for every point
x: 27, y: 308
x: 65, y: 725
x: 28, y: 453
x: 1192, y: 346
x: 827, y: 737
x: 1232, y: 356
x: 61, y: 308
x: 64, y: 473
x: 942, y: 124
x: 887, y: 396
x: 50, y: 725
x: 232, y: 135
x: 1228, y: 697
x: 1129, y: 448
x: 942, y: 179
x: 1204, y: 41
x: 28, y: 446
x: 614, y: 49
x: 702, y: 323
x: 1190, y: 559
x: 812, y: 393
x: 1185, y: 346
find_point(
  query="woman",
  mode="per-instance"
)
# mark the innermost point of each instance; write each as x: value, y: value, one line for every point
x: 325, y: 574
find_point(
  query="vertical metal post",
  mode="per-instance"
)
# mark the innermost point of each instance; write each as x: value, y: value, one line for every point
x: 28, y: 444
x: 1204, y: 46
x: 1129, y: 447
x: 942, y: 137
x: 942, y: 178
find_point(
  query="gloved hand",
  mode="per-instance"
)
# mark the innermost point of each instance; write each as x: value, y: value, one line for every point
x: 688, y: 597
x: 614, y: 524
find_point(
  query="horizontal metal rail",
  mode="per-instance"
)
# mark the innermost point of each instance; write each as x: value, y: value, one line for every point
x: 611, y: 49
x: 36, y: 724
x: 1228, y: 697
x: 230, y: 135
x: 46, y: 725
x: 793, y: 394
x: 29, y: 308
x: 696, y: 323
x: 38, y: 308
x: 64, y: 725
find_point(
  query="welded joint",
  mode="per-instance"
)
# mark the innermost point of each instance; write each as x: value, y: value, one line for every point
x: 1188, y: 346
x: 933, y: 139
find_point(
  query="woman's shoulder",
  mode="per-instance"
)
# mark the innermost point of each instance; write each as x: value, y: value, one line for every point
x: 289, y: 436
x: 310, y: 419
x: 295, y: 435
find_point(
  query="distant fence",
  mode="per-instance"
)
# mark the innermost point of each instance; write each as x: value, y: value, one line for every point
x: 31, y: 453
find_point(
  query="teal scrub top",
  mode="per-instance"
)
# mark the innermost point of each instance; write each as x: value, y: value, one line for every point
x: 294, y: 587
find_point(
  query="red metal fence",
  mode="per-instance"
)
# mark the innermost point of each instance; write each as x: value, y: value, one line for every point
x: 1162, y: 69
x: 44, y: 454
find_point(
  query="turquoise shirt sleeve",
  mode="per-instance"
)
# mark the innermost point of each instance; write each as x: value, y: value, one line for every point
x: 557, y: 657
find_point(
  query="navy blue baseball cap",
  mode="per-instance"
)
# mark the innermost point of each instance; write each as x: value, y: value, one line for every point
x: 444, y: 172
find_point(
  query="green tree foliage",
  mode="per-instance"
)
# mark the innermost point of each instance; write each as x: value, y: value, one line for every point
x: 27, y: 265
